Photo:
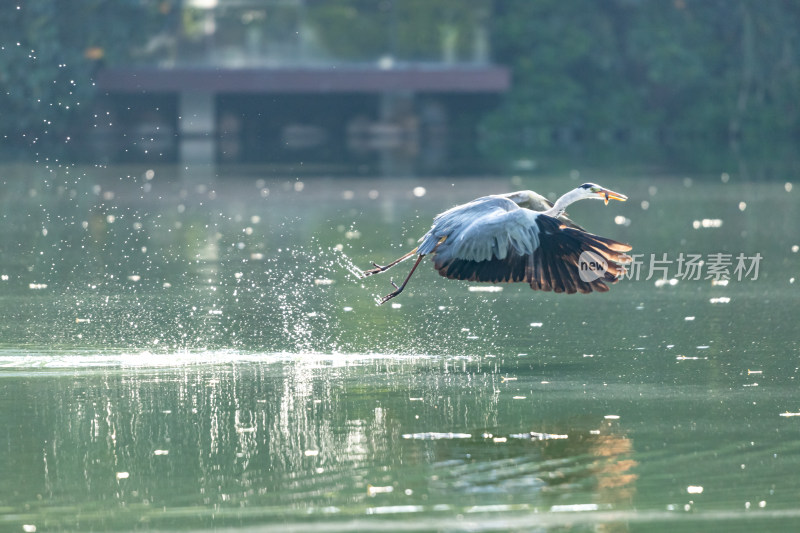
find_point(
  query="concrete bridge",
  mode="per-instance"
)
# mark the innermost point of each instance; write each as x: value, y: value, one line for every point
x: 386, y: 118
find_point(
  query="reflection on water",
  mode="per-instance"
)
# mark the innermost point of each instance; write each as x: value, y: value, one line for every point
x: 293, y: 438
x: 281, y: 438
x: 192, y: 356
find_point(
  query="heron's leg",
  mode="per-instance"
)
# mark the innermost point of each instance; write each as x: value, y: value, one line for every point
x: 399, y: 289
x: 378, y: 269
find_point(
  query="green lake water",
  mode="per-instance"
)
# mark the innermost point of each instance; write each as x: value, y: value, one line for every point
x: 189, y: 354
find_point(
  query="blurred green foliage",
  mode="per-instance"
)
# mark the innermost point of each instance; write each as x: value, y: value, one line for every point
x: 651, y: 70
x: 49, y: 51
x: 415, y: 30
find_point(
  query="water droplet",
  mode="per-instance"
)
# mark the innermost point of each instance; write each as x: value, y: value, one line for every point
x: 707, y: 223
x: 372, y: 491
x: 663, y: 282
x: 485, y: 288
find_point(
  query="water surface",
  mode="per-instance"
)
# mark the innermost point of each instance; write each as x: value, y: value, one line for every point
x: 191, y: 354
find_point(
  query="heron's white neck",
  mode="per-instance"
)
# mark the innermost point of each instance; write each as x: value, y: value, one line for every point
x: 561, y: 204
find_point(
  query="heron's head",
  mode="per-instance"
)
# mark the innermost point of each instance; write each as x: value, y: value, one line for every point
x: 595, y: 191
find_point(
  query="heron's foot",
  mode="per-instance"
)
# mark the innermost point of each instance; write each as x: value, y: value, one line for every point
x: 377, y: 270
x: 388, y: 297
x: 397, y: 290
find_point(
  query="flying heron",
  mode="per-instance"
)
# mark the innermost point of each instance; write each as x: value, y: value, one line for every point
x: 519, y: 236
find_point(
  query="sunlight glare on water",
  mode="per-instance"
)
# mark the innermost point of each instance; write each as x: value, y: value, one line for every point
x: 209, y: 355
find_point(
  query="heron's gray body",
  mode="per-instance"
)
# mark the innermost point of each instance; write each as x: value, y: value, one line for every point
x: 514, y: 237
x: 519, y: 236
x: 484, y: 228
x: 490, y: 226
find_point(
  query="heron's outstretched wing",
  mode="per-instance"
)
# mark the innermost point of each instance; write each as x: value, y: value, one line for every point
x: 566, y: 221
x: 520, y: 246
x: 491, y: 227
x: 554, y: 266
x: 470, y: 222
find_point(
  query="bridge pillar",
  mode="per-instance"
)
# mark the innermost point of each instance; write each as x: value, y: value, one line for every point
x: 197, y: 127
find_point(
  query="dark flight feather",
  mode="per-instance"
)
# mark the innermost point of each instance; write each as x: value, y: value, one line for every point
x: 553, y: 266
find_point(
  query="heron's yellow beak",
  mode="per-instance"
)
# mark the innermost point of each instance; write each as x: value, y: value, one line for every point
x: 607, y: 195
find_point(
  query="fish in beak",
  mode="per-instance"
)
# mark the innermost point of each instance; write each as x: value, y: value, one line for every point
x: 607, y: 195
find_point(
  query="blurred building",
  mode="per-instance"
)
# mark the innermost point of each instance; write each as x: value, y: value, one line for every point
x: 390, y: 87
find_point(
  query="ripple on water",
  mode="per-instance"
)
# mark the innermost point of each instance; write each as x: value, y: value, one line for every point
x: 77, y: 360
x: 432, y: 435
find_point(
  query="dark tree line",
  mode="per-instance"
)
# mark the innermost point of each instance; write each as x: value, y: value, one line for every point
x: 652, y: 70
x: 49, y: 52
